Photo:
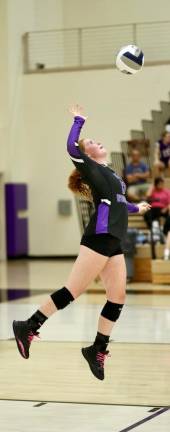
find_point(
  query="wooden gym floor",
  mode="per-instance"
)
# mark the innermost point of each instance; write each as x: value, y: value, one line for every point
x: 54, y: 390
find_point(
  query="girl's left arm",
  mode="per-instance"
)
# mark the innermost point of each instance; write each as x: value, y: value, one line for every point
x: 140, y: 208
x: 132, y: 208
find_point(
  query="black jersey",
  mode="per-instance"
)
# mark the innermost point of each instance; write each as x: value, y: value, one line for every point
x: 108, y: 190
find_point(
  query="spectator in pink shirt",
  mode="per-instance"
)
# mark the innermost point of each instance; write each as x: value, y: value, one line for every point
x: 159, y: 198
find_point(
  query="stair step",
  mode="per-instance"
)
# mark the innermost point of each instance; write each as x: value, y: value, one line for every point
x: 135, y: 216
x: 144, y: 251
x: 142, y: 270
x: 165, y: 108
x: 160, y: 271
x: 137, y: 134
x: 160, y: 266
x: 158, y: 123
x: 137, y: 225
x: 148, y: 127
x: 137, y: 221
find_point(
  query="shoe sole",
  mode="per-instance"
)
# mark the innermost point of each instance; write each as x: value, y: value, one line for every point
x: 19, y: 343
x: 85, y: 355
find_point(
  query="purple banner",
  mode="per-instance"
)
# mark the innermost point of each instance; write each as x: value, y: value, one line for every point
x: 16, y: 228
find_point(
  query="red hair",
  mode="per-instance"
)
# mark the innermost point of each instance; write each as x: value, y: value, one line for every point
x: 75, y: 182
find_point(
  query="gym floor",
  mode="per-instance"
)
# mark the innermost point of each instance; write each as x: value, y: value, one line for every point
x: 54, y: 388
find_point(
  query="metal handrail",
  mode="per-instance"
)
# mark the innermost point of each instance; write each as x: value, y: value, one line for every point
x: 101, y: 26
x: 85, y: 48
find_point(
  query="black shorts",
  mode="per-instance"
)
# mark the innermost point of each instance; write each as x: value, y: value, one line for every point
x: 104, y: 244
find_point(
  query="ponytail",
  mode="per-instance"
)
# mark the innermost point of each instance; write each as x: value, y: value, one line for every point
x: 76, y: 183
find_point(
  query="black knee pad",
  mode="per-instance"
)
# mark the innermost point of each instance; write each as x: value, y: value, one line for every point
x: 111, y: 311
x: 62, y: 298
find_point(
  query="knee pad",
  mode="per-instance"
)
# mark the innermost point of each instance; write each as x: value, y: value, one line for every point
x: 111, y: 311
x: 62, y: 298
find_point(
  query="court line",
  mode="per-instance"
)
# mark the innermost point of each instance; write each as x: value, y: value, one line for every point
x: 154, y: 409
x: 82, y: 403
x: 112, y: 341
x: 146, y: 419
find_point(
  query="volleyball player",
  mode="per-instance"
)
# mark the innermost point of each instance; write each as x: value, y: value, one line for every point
x: 100, y: 250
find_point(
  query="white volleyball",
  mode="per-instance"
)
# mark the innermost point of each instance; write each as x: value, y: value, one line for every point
x: 130, y: 59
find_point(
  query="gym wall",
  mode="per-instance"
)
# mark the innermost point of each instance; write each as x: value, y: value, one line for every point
x: 34, y: 119
x: 114, y: 103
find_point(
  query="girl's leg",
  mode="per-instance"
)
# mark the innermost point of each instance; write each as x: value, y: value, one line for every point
x: 86, y: 267
x: 114, y: 279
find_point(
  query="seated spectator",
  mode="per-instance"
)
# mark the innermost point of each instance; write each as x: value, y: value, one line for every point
x: 137, y: 173
x: 159, y: 198
x: 162, y: 153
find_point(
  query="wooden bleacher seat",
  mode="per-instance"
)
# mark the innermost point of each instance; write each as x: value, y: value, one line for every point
x: 160, y: 271
x: 137, y: 221
x: 143, y: 262
x: 142, y: 270
x: 144, y: 251
x: 142, y: 259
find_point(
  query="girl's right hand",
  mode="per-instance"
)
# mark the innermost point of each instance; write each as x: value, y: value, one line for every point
x: 77, y: 110
x: 143, y: 207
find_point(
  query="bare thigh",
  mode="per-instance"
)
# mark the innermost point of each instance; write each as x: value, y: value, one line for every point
x: 86, y: 267
x: 113, y: 277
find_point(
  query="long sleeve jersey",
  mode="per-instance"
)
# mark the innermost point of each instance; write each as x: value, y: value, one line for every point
x: 107, y: 188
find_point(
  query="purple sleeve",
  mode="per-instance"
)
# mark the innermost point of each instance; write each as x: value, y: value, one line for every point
x: 72, y: 146
x: 88, y: 167
x: 132, y: 208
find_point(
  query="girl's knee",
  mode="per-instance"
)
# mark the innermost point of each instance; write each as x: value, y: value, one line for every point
x: 118, y: 297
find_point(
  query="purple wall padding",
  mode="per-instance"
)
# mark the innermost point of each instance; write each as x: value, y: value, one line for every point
x: 16, y: 198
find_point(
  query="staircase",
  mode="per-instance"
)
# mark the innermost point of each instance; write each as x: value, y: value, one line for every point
x: 151, y: 129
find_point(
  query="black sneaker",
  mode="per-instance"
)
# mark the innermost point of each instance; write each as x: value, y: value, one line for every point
x: 95, y: 360
x: 24, y: 336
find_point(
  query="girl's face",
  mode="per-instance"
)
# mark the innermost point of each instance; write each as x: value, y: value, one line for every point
x: 94, y: 150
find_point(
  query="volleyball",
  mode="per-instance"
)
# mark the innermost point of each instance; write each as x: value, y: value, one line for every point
x: 130, y: 59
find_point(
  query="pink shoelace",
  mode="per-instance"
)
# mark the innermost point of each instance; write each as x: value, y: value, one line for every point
x: 32, y: 335
x: 101, y: 358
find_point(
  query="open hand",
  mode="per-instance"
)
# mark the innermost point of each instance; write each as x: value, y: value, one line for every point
x: 143, y: 207
x: 77, y: 110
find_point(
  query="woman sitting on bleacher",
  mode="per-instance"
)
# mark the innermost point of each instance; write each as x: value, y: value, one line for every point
x: 162, y: 153
x: 159, y: 198
x: 136, y: 173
